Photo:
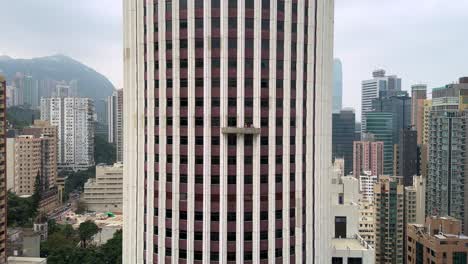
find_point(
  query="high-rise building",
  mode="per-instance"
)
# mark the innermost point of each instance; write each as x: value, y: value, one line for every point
x: 49, y: 147
x: 119, y: 125
x: 31, y: 92
x: 104, y: 192
x: 368, y: 157
x: 438, y: 240
x: 227, y: 109
x: 379, y: 85
x: 347, y: 245
x: 418, y: 97
x: 27, y: 164
x: 366, y: 186
x: 3, y: 179
x: 447, y: 193
x: 389, y: 220
x: 337, y: 86
x: 343, y: 126
x: 380, y: 125
x: 424, y: 157
x: 408, y: 156
x: 73, y: 117
x: 415, y: 201
x: 399, y: 104
x: 111, y: 104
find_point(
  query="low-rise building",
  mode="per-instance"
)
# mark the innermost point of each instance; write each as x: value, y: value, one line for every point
x: 104, y: 193
x: 439, y: 240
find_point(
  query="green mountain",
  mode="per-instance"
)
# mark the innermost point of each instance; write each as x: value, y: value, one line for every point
x: 59, y: 67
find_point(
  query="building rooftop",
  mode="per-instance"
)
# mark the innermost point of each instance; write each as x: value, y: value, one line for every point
x: 26, y: 260
x: 348, y: 244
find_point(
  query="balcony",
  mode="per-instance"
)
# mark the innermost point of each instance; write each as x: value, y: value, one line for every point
x: 241, y: 130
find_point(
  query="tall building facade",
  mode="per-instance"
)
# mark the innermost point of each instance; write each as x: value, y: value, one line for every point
x: 337, y: 86
x: 415, y: 201
x: 380, y: 125
x: 379, y: 85
x: 448, y: 160
x: 343, y: 126
x: 48, y: 134
x: 111, y: 104
x: 399, y: 105
x: 368, y: 157
x: 3, y: 177
x: 408, y: 155
x: 27, y: 164
x: 447, y: 193
x: 227, y: 107
x: 115, y: 121
x: 119, y: 125
x: 74, y: 119
x: 389, y: 221
x: 418, y: 97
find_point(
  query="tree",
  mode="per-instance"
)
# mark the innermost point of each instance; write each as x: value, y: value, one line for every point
x: 112, y: 250
x: 104, y: 152
x: 86, y: 231
x: 21, y: 211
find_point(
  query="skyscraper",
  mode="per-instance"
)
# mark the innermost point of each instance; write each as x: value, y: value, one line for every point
x: 380, y: 124
x: 337, y: 86
x: 408, y: 164
x: 447, y: 191
x: 74, y: 118
x: 343, y: 126
x: 399, y: 104
x: 3, y: 179
x: 227, y: 109
x: 418, y: 96
x: 379, y: 85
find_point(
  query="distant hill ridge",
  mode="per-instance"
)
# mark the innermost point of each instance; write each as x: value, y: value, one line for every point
x: 59, y: 67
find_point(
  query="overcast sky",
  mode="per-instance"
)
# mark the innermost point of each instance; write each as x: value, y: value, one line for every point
x: 420, y: 40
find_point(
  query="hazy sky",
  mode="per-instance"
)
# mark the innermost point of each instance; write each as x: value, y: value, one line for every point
x: 419, y: 40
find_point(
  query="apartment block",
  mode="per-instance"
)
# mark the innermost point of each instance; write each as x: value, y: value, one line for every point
x: 74, y: 119
x: 367, y: 222
x: 415, y: 201
x: 389, y: 221
x: 368, y: 157
x: 438, y: 240
x: 366, y: 186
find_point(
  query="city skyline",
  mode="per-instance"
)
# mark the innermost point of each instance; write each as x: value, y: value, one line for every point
x: 97, y: 39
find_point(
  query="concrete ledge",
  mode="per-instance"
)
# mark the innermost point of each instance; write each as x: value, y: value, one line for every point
x: 241, y: 130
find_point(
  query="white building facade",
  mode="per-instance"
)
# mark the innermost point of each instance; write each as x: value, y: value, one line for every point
x: 347, y: 244
x: 225, y: 100
x: 366, y: 186
x: 73, y: 117
x: 104, y: 193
